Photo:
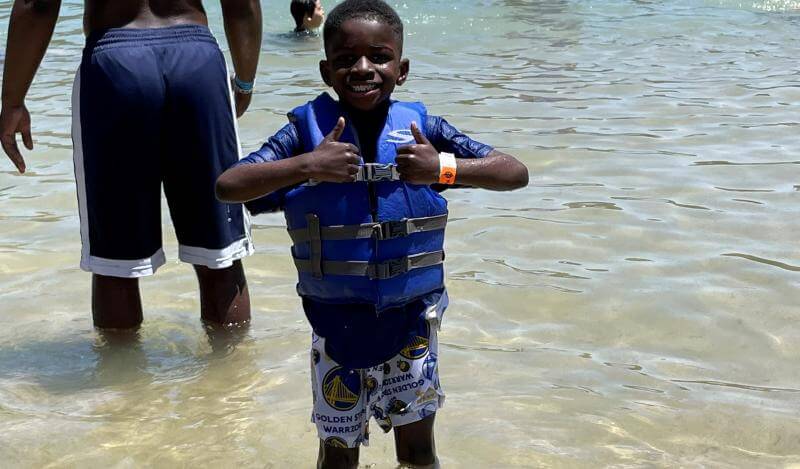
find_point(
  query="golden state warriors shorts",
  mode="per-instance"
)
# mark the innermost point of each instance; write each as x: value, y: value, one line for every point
x: 400, y: 391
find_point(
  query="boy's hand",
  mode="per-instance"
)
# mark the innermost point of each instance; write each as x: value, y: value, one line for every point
x: 332, y: 160
x: 13, y: 120
x: 418, y: 163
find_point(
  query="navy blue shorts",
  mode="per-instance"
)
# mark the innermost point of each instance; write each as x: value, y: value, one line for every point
x: 153, y: 107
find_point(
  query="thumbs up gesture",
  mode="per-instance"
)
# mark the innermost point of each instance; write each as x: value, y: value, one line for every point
x: 418, y: 163
x: 332, y: 160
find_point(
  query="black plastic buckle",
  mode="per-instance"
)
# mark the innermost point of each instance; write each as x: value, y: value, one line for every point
x: 391, y: 268
x: 393, y: 229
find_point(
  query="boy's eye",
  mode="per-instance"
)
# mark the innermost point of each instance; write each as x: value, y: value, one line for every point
x: 380, y: 58
x: 344, y: 61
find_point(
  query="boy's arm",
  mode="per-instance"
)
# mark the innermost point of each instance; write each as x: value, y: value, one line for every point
x: 243, y: 26
x: 496, y: 171
x: 331, y: 161
x: 29, y: 31
x: 419, y: 164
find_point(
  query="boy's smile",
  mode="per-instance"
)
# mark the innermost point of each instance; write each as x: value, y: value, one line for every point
x: 364, y: 63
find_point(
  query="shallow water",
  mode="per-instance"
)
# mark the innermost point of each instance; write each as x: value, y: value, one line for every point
x: 635, y: 306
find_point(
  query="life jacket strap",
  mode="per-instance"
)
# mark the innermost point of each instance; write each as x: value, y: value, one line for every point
x: 385, y: 230
x: 370, y: 172
x: 315, y: 241
x: 381, y: 271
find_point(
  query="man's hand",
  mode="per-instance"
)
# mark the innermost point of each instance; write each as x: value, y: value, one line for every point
x: 332, y: 160
x: 418, y: 163
x: 13, y: 120
x: 242, y: 102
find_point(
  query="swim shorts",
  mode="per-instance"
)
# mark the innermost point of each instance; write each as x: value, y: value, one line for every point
x: 400, y: 391
x: 153, y: 107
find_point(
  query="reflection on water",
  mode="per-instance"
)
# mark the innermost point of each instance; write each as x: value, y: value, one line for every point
x: 635, y: 305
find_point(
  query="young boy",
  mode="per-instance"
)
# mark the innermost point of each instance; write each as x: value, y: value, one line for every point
x: 308, y: 15
x: 354, y: 178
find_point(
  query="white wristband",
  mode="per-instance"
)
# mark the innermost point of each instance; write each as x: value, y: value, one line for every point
x: 447, y: 168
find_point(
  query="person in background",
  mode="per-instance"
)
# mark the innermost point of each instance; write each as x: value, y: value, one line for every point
x: 308, y: 15
x: 152, y: 105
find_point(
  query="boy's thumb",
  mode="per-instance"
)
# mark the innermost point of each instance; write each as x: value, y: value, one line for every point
x: 336, y: 132
x: 419, y: 137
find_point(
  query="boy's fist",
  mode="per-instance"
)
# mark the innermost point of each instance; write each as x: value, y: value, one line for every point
x: 418, y: 163
x: 332, y: 160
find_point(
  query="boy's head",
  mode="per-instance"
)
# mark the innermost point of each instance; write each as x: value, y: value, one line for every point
x: 307, y: 14
x: 363, y: 53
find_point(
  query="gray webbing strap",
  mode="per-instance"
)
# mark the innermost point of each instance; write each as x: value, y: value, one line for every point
x: 315, y: 242
x: 384, y: 230
x: 384, y: 270
x: 370, y: 172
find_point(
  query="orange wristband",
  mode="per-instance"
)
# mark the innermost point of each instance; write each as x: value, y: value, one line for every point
x: 447, y: 168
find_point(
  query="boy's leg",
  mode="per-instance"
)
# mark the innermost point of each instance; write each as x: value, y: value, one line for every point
x: 116, y: 303
x: 415, y: 445
x: 411, y: 395
x: 341, y: 398
x: 331, y: 457
x: 224, y: 298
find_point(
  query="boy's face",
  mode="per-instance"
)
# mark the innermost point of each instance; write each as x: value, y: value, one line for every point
x: 363, y: 63
x: 317, y: 17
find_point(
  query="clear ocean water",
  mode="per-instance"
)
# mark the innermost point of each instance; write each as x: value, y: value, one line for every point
x: 635, y: 306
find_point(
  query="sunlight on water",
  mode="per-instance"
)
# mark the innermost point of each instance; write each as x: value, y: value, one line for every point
x: 636, y: 305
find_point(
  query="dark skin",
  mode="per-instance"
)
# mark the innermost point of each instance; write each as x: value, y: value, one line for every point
x: 363, y: 65
x: 116, y: 302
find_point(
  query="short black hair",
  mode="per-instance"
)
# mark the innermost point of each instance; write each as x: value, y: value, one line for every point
x: 300, y: 9
x: 362, y: 9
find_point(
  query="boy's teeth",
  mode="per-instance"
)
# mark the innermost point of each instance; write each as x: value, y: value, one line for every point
x: 362, y: 88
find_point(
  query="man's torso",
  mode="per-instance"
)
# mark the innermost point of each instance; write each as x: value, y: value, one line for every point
x: 105, y: 14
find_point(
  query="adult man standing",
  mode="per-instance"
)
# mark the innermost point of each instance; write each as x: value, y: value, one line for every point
x: 151, y: 105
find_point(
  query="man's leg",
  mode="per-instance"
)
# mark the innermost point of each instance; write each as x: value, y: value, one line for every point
x: 116, y: 303
x: 202, y: 143
x: 331, y: 457
x: 414, y: 444
x: 224, y: 298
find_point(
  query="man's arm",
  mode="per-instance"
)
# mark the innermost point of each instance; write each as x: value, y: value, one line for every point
x: 243, y: 29
x: 29, y: 31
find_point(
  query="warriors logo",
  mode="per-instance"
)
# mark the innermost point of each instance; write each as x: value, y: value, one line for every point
x: 397, y: 407
x: 418, y: 347
x: 341, y: 388
x: 403, y: 365
x: 429, y: 366
x: 335, y: 442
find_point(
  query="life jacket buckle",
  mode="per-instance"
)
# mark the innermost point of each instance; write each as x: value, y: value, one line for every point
x: 392, y: 229
x: 377, y: 172
x: 389, y: 269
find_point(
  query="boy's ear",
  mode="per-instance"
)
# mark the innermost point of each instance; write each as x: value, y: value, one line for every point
x: 404, y: 66
x: 324, y: 72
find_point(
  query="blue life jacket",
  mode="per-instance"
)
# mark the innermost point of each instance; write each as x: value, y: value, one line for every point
x: 342, y: 254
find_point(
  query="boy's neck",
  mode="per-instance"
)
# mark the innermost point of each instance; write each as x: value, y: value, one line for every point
x: 371, y: 116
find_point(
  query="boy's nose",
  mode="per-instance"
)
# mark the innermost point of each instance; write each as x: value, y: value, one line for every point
x: 362, y: 65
